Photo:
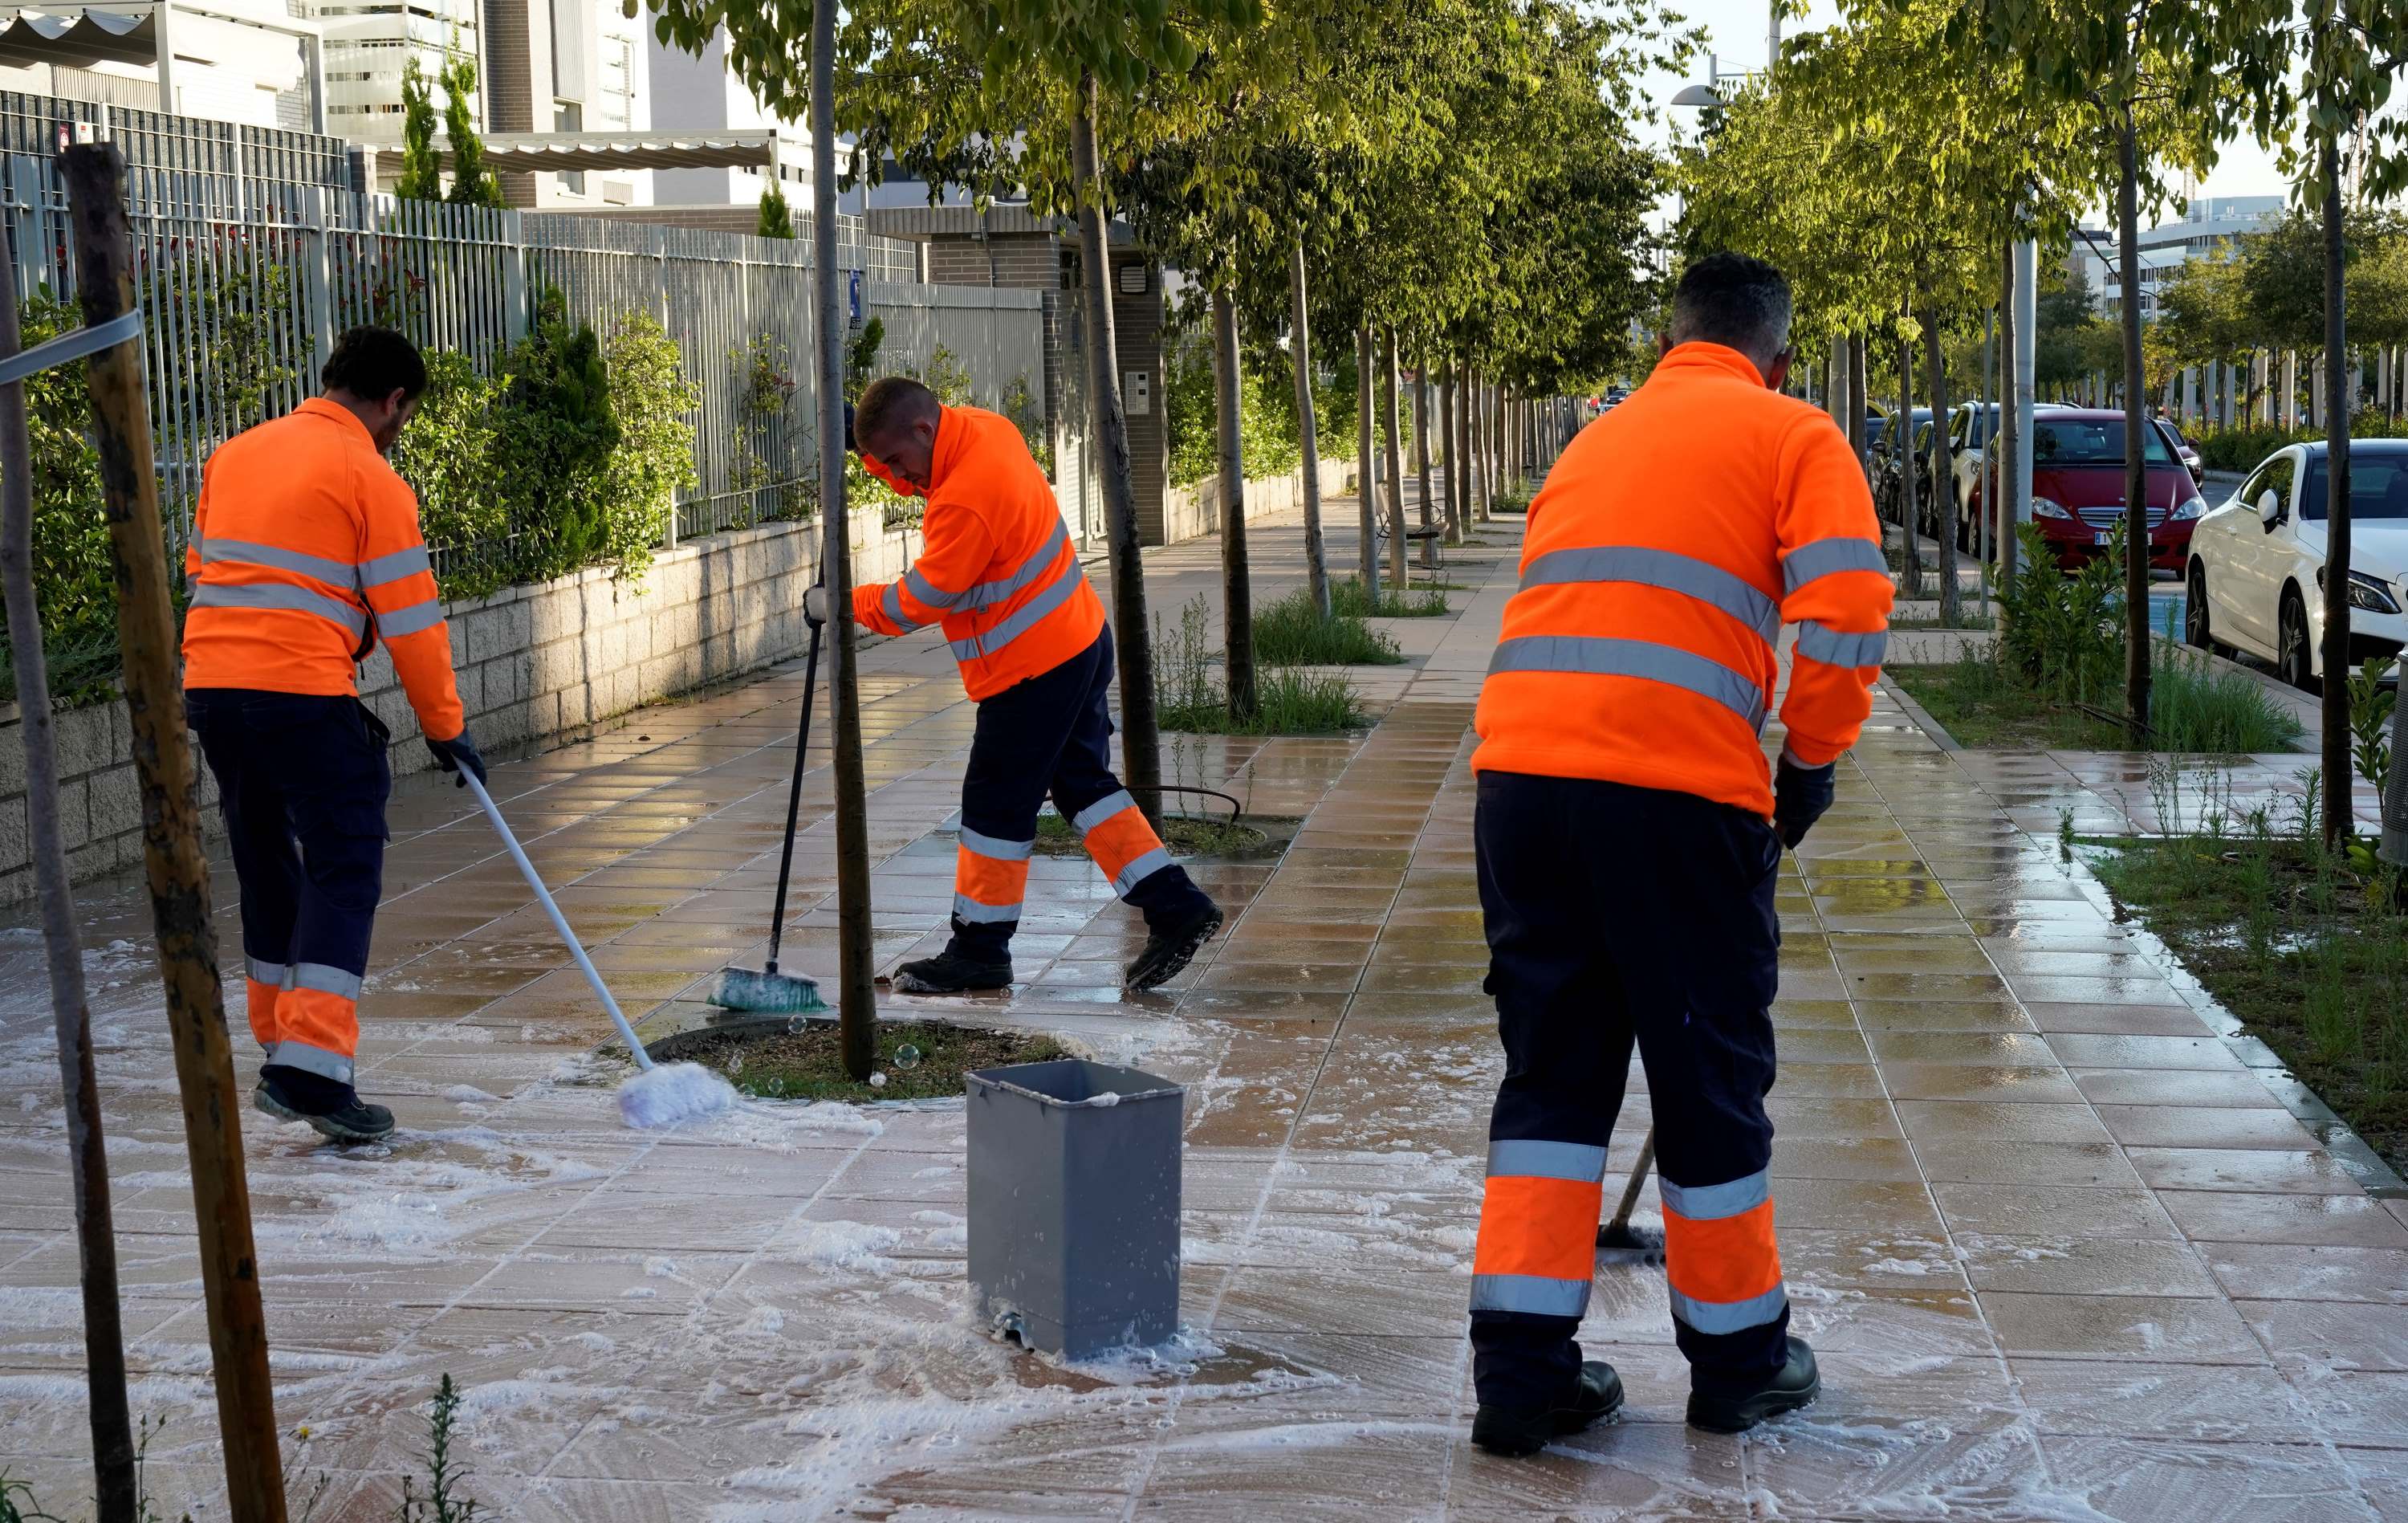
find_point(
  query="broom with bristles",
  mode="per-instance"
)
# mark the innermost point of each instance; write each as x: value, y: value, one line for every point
x: 765, y: 988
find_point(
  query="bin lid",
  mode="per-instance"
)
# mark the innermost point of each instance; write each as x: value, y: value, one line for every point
x: 1075, y: 1082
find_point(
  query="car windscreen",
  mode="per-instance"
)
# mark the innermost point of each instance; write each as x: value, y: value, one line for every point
x: 2058, y: 442
x: 2378, y: 487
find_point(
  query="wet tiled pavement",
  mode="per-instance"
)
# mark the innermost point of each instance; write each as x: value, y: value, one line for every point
x: 2063, y: 1246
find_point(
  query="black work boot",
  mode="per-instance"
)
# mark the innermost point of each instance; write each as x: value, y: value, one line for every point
x: 1515, y: 1432
x: 1798, y: 1383
x: 331, y: 1106
x: 1172, y: 947
x: 951, y: 972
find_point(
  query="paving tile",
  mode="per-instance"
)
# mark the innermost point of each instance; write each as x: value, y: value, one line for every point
x: 2325, y: 1219
x: 2222, y: 1403
x: 2262, y: 1170
x: 2062, y: 1265
x: 2092, y: 1325
x: 2279, y: 1272
x: 2165, y: 1481
x: 2054, y: 1210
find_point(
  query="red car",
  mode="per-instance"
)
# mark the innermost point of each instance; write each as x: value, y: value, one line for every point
x: 2078, y: 487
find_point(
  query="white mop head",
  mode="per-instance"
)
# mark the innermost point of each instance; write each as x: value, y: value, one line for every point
x: 668, y: 1093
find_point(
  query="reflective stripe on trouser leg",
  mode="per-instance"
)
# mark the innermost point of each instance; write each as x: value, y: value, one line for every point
x: 1720, y: 1257
x: 987, y: 890
x: 319, y: 1029
x: 1536, y: 1251
x: 1124, y: 847
x: 262, y: 985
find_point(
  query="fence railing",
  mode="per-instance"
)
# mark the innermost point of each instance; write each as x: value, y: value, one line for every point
x: 245, y: 277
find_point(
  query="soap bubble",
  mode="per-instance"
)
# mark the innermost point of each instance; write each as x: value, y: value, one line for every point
x: 795, y: 1026
x: 907, y: 1057
x: 878, y: 1081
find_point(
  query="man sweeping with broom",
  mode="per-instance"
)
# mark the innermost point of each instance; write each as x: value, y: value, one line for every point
x: 1000, y: 573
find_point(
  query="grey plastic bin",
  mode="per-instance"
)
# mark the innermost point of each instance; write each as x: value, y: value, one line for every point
x: 1074, y: 1204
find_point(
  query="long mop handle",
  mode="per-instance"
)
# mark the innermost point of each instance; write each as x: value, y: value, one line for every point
x: 793, y: 800
x: 559, y: 922
x: 1637, y: 1181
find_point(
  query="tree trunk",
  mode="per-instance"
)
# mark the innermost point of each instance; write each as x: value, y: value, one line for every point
x: 1856, y: 398
x: 1393, y: 456
x: 2340, y: 820
x: 2136, y: 467
x: 173, y: 862
x: 1901, y: 449
x: 1140, y: 739
x: 1307, y: 435
x: 857, y: 955
x: 1448, y: 401
x: 1237, y: 603
x: 2010, y: 430
x: 1943, y: 507
x: 1421, y: 442
x: 1366, y: 479
x: 104, y: 1336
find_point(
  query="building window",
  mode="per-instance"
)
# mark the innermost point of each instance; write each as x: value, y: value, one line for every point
x: 567, y: 116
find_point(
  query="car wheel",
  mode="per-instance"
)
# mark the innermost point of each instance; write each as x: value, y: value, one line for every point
x: 2196, y: 631
x: 2291, y: 643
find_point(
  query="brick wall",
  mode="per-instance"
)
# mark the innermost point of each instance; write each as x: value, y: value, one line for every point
x: 1031, y: 261
x: 536, y: 664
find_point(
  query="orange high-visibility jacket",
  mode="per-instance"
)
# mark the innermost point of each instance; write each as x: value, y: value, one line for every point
x: 305, y: 552
x: 997, y: 569
x: 1674, y: 537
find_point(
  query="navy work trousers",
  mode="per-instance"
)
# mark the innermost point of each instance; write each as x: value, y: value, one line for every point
x: 1617, y: 914
x: 302, y: 780
x: 1052, y: 734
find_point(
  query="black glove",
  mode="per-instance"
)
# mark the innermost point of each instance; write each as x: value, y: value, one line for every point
x: 851, y: 448
x: 1800, y: 794
x: 456, y: 753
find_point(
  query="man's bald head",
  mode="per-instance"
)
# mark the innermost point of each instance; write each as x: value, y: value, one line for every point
x: 896, y: 424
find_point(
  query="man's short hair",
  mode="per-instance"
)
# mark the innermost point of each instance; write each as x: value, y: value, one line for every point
x: 374, y: 363
x: 892, y: 402
x: 1736, y: 301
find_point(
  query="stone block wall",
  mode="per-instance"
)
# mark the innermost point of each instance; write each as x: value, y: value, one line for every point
x: 1194, y: 511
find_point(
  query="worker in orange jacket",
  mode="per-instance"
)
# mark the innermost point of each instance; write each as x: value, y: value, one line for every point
x: 305, y: 552
x: 999, y: 572
x: 1628, y: 835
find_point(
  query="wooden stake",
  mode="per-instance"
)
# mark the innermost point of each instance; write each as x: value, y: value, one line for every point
x: 103, y: 1337
x: 171, y: 840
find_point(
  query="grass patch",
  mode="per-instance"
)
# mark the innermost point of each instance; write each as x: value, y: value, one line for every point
x: 1288, y: 699
x: 1419, y: 601
x: 1187, y: 835
x: 2308, y: 949
x: 1986, y: 705
x: 807, y: 1064
x: 1292, y: 632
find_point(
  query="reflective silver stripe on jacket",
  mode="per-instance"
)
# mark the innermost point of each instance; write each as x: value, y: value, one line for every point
x: 1530, y: 1293
x: 999, y: 850
x: 1528, y: 1158
x: 379, y: 570
x: 1712, y: 1202
x: 308, y: 1060
x: 1101, y: 810
x: 325, y: 980
x: 890, y: 603
x: 977, y: 914
x: 1730, y: 1316
x: 1668, y: 569
x: 283, y: 597
x: 1818, y: 558
x: 411, y: 620
x: 986, y: 594
x: 1596, y: 655
x: 1022, y: 619
x: 215, y: 552
x: 1838, y: 648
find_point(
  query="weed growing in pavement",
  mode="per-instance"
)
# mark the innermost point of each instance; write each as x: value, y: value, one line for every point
x: 2371, y: 703
x: 1419, y: 601
x: 1290, y: 631
x: 1289, y: 701
x: 17, y: 1504
x: 439, y: 1505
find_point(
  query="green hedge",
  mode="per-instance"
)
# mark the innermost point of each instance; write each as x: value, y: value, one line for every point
x: 2243, y: 448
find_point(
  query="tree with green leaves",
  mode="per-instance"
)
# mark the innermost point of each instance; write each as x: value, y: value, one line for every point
x: 472, y: 183
x: 421, y: 165
x: 777, y: 222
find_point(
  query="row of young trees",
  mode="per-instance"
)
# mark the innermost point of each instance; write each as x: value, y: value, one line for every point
x: 1890, y: 163
x: 1449, y: 183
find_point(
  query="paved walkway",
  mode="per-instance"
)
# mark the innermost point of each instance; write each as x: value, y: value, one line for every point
x: 2062, y: 1248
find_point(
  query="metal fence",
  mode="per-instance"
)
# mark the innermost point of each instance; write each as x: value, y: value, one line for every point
x: 245, y: 277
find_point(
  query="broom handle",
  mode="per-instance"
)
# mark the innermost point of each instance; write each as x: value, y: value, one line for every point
x: 794, y: 798
x: 559, y: 922
x: 1637, y: 1180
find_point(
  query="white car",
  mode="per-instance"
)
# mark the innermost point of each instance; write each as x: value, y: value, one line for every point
x: 2257, y: 564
